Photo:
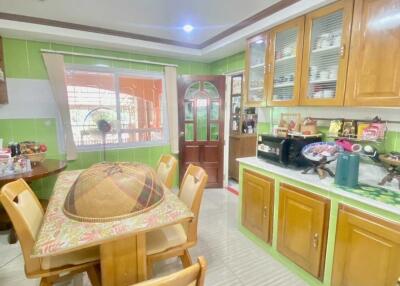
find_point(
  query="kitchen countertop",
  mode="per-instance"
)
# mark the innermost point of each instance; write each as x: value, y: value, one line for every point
x: 369, y: 192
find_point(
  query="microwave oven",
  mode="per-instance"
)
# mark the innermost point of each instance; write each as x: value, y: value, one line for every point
x: 284, y: 151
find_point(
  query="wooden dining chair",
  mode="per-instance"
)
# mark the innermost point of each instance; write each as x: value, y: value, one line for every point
x: 191, y: 276
x: 166, y: 169
x: 26, y: 215
x: 174, y: 240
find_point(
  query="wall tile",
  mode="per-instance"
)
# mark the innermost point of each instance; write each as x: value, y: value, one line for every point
x: 60, y: 47
x: 16, y: 58
x: 36, y: 64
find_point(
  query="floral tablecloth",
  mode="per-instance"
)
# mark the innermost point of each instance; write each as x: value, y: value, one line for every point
x: 60, y: 234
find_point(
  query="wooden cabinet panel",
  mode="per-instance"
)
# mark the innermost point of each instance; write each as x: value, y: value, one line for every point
x: 374, y: 66
x: 240, y: 146
x: 302, y: 230
x: 258, y: 204
x: 284, y: 66
x: 325, y: 60
x: 255, y: 70
x: 367, y: 250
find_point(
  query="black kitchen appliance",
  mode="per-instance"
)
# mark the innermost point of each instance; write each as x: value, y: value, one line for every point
x: 284, y: 151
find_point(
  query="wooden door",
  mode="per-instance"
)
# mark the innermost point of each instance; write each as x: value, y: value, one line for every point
x: 283, y: 71
x: 258, y: 204
x: 303, y: 227
x: 367, y: 250
x: 256, y: 52
x: 325, y: 55
x: 374, y: 66
x: 201, y: 125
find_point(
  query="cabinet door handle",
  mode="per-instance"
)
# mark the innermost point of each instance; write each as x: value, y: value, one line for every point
x: 398, y: 282
x: 342, y: 50
x: 265, y: 211
x: 315, y: 240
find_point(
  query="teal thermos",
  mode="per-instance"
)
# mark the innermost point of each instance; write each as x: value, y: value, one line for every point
x: 347, y: 169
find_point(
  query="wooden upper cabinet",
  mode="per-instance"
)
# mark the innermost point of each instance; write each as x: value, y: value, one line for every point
x: 255, y: 70
x: 258, y: 204
x: 374, y: 65
x: 284, y: 66
x: 302, y: 228
x: 367, y: 250
x: 325, y: 56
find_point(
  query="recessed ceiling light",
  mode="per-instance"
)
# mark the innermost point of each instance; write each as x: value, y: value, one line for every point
x: 187, y: 28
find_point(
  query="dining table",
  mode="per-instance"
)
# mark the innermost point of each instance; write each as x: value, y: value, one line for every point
x: 40, y: 170
x: 122, y: 243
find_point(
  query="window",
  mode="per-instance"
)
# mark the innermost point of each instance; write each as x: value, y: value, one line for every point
x: 115, y: 108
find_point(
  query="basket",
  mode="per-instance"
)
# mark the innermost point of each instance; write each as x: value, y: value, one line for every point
x: 35, y: 157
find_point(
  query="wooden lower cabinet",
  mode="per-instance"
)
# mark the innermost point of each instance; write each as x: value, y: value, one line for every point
x: 367, y: 250
x: 243, y: 145
x: 258, y: 204
x: 302, y: 228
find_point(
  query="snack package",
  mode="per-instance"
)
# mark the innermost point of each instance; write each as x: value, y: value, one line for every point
x: 349, y: 128
x: 360, y: 129
x: 374, y: 131
x: 335, y: 128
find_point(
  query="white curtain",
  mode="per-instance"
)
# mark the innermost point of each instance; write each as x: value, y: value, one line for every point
x: 56, y: 72
x: 172, y: 106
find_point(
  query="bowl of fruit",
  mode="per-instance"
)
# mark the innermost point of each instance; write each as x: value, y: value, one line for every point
x: 35, y: 152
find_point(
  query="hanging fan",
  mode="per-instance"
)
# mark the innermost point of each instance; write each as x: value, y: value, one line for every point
x: 98, y: 123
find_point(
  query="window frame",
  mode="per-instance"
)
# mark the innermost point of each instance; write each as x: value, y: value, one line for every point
x: 117, y: 72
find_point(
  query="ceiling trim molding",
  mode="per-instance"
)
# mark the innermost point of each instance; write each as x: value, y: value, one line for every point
x: 67, y: 25
x: 93, y: 29
x: 249, y: 21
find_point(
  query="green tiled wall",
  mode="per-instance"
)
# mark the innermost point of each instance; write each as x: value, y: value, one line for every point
x: 23, y: 60
x: 229, y: 64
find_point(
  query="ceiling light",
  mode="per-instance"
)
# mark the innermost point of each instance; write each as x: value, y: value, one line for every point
x: 188, y: 28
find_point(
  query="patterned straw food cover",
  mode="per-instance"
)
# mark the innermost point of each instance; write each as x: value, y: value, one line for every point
x: 110, y: 191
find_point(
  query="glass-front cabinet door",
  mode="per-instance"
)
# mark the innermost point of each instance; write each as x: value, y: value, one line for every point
x: 255, y: 71
x: 325, y: 57
x: 284, y: 67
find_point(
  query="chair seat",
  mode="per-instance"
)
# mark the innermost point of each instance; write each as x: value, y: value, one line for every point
x: 73, y: 258
x: 165, y: 238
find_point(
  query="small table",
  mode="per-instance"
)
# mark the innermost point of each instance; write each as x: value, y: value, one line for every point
x: 41, y: 170
x: 122, y: 242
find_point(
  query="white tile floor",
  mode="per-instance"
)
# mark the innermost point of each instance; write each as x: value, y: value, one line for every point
x: 232, y: 259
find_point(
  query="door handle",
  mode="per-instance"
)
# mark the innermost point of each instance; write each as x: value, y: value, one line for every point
x: 342, y: 50
x: 315, y: 240
x: 181, y: 133
x: 265, y: 211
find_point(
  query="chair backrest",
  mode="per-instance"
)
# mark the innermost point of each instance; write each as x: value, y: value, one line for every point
x: 191, y: 193
x: 26, y: 215
x: 166, y: 169
x: 191, y: 276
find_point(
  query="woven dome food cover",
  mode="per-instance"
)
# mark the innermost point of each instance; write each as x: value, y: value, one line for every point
x: 111, y: 191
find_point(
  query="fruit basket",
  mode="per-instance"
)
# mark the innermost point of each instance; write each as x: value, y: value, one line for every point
x: 35, y: 152
x: 35, y: 157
